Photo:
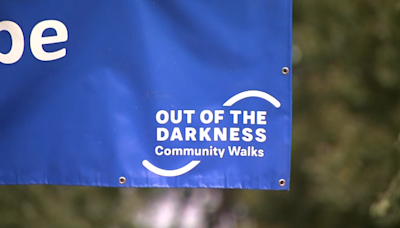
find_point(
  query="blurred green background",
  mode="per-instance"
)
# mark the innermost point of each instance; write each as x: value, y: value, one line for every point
x: 345, y: 165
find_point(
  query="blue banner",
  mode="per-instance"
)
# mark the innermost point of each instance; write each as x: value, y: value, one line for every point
x: 146, y: 93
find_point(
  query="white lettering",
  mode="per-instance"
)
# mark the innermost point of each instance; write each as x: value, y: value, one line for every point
x: 234, y: 134
x: 222, y: 135
x: 176, y: 134
x: 37, y: 40
x: 189, y: 114
x: 17, y: 42
x: 247, y: 136
x: 236, y: 114
x: 160, y: 132
x: 165, y: 118
x: 157, y: 150
x: 204, y: 134
x: 174, y: 119
x: 260, y: 132
x: 247, y: 117
x: 203, y: 116
x: 190, y: 134
x: 261, y: 117
x: 218, y: 115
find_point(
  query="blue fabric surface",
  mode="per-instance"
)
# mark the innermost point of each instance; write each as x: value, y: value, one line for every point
x: 90, y: 117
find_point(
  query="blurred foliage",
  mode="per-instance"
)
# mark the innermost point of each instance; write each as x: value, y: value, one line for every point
x: 345, y: 165
x: 61, y: 206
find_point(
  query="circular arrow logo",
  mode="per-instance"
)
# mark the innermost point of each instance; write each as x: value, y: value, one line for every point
x: 231, y: 101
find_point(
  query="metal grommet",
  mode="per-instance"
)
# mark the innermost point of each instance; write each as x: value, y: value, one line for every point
x: 285, y: 70
x: 122, y: 180
x: 282, y: 182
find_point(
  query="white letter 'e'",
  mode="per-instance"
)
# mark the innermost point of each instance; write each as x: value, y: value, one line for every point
x: 17, y: 42
x: 37, y: 40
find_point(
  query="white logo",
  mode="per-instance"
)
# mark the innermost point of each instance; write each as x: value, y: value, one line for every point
x: 218, y: 152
